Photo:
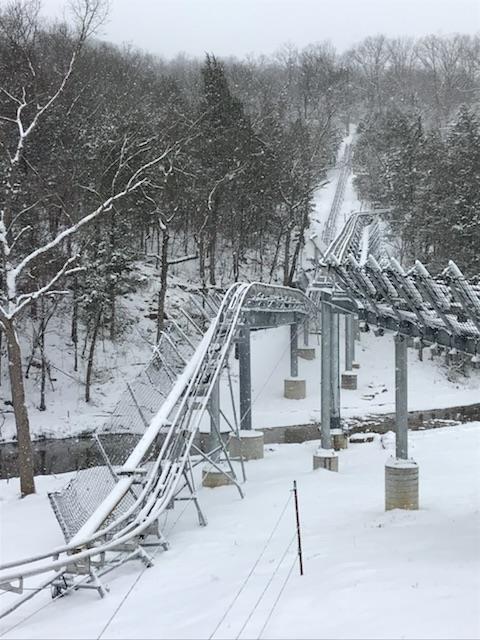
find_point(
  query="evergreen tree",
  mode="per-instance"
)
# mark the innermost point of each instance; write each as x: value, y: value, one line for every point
x: 462, y: 197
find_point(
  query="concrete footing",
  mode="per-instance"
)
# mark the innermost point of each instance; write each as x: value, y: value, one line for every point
x: 349, y: 380
x: 401, y: 484
x: 295, y: 389
x: 307, y: 353
x: 212, y: 477
x: 339, y: 439
x: 249, y: 445
x: 325, y: 459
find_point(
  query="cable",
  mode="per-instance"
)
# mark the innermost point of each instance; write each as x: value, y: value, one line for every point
x: 277, y: 598
x: 49, y: 602
x: 266, y: 586
x: 250, y: 573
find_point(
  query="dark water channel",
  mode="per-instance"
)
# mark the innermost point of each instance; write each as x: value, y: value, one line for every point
x: 59, y: 455
x: 66, y: 454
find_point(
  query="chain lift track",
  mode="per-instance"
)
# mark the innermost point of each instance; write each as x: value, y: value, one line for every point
x: 356, y: 277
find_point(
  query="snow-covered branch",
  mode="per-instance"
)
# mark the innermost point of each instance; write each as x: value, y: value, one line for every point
x: 26, y: 298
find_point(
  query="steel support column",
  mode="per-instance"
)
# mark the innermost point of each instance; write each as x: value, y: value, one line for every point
x: 401, y: 397
x: 245, y: 379
x: 335, y: 371
x: 356, y: 329
x: 306, y: 332
x: 294, y: 328
x: 326, y: 375
x: 214, y: 411
x: 349, y: 342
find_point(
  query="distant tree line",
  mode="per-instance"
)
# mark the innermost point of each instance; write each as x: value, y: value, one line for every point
x: 429, y: 182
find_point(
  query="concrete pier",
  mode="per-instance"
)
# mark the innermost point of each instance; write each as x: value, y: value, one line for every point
x: 339, y: 439
x: 213, y: 478
x: 349, y: 380
x: 325, y: 459
x: 401, y: 484
x: 249, y: 445
x: 295, y: 389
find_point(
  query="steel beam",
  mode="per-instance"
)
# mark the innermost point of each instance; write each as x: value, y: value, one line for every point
x: 326, y: 376
x: 405, y: 326
x: 294, y: 328
x: 214, y: 411
x: 349, y: 342
x: 401, y: 396
x: 245, y: 376
x: 335, y: 371
x: 306, y: 332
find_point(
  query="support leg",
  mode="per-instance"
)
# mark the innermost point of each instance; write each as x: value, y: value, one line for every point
x: 214, y: 411
x: 245, y: 379
x: 326, y: 375
x: 294, y: 328
x: 335, y: 371
x: 324, y: 457
x: 294, y: 387
x: 401, y: 473
x: 401, y: 397
x: 349, y: 377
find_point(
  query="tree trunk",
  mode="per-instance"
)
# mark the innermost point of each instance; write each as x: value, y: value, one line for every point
x: 91, y: 354
x: 201, y: 256
x: 163, y: 284
x: 286, y: 258
x: 112, y: 287
x: 298, y: 246
x: 25, y: 453
x: 275, y: 257
x: 43, y: 375
x: 212, y: 248
x: 74, y: 329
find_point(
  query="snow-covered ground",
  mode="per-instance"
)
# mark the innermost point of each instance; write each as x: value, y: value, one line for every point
x: 368, y: 574
x: 428, y: 384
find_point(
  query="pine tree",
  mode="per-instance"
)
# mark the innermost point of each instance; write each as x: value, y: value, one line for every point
x: 463, y: 190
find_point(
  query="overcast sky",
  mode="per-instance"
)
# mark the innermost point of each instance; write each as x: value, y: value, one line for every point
x: 240, y: 27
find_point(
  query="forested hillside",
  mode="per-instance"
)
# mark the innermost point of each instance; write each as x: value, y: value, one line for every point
x: 116, y: 165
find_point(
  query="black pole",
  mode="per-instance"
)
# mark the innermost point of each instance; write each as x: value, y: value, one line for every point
x: 299, y: 538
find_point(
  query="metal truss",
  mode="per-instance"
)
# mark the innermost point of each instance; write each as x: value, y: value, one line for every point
x: 356, y: 278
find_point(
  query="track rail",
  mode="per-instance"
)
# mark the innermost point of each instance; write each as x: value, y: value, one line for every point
x: 183, y: 409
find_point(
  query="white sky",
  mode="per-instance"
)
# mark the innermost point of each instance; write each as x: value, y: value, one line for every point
x: 240, y: 27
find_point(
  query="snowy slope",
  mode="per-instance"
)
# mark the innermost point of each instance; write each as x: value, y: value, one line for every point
x: 428, y: 384
x: 368, y: 574
x: 68, y: 415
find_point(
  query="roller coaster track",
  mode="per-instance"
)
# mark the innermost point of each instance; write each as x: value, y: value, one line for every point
x: 117, y: 530
x: 330, y: 228
x: 442, y: 310
x: 356, y: 278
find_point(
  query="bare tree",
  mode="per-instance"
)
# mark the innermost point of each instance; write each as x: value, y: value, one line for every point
x: 27, y: 112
